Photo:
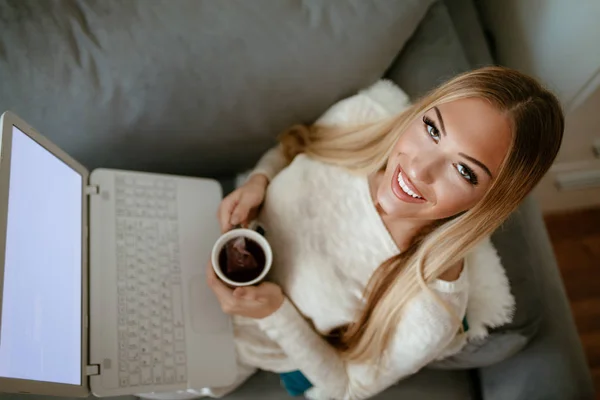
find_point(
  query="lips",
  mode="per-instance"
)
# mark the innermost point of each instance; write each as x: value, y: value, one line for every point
x: 404, y: 189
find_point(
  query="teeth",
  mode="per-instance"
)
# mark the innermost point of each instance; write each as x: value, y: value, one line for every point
x: 405, y: 187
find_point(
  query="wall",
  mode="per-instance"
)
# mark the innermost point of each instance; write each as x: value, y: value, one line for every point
x: 557, y: 41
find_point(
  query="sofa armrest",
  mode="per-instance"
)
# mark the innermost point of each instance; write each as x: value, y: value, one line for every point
x: 553, y: 365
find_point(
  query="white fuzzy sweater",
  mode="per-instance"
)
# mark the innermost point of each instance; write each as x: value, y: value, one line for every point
x: 327, y: 240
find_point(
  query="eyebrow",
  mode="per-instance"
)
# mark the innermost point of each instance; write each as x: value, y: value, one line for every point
x: 439, y: 115
x: 479, y: 163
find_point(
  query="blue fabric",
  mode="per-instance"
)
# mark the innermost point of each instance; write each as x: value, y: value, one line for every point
x: 295, y: 382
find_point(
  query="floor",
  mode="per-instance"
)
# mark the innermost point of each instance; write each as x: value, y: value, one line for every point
x: 576, y: 240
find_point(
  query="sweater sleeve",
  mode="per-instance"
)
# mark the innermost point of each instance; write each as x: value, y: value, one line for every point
x: 373, y: 104
x: 271, y: 163
x: 424, y: 331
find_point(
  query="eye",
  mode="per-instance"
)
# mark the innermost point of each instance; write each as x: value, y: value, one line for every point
x: 467, y: 173
x: 432, y: 130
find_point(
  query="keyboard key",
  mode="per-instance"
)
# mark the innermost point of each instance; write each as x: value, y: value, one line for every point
x: 146, y: 360
x: 146, y: 376
x: 169, y: 375
x: 177, y: 305
x: 134, y: 366
x: 134, y: 355
x: 155, y: 334
x: 134, y: 341
x: 157, y: 373
x: 134, y: 379
x: 168, y: 352
x: 180, y: 374
x: 144, y: 324
x: 168, y: 339
x: 179, y: 346
x: 144, y: 311
x: 179, y: 334
x: 180, y: 358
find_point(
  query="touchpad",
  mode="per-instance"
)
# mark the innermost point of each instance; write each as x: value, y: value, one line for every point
x: 205, y: 310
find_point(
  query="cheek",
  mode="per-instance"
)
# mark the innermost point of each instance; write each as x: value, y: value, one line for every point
x: 453, y: 198
x: 412, y: 140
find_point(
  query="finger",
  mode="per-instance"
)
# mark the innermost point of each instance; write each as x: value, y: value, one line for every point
x: 267, y: 290
x: 240, y: 212
x: 225, y: 209
x: 246, y: 293
x: 210, y: 274
x: 222, y: 291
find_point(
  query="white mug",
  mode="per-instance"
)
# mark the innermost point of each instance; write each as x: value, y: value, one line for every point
x: 234, y: 234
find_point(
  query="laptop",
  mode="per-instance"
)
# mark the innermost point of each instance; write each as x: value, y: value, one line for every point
x: 102, y: 277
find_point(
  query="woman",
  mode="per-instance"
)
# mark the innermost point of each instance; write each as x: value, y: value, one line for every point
x: 379, y: 221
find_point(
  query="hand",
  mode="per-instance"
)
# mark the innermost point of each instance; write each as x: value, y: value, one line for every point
x: 248, y: 301
x: 241, y: 206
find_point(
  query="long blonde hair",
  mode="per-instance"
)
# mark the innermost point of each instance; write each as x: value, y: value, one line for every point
x: 537, y: 128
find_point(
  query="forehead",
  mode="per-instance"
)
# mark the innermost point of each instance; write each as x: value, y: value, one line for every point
x: 477, y: 129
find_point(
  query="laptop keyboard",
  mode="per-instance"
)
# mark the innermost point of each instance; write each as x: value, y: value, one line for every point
x: 150, y: 306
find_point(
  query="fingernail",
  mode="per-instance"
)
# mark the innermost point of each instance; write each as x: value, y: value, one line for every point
x: 234, y: 220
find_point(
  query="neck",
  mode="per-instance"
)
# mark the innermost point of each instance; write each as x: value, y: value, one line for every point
x: 402, y: 230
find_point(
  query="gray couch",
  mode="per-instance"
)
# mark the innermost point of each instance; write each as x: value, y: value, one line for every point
x: 202, y: 88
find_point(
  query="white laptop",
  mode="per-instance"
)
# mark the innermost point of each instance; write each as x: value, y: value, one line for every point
x: 102, y: 277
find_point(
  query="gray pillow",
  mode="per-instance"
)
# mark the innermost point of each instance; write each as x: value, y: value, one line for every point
x: 520, y: 259
x: 195, y: 87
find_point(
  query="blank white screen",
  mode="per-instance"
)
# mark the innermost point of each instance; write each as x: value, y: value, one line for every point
x: 40, y: 333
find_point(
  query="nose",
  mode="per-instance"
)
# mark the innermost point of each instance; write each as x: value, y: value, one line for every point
x: 422, y: 169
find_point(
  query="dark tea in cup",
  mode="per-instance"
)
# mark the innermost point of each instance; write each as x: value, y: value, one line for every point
x: 242, y: 259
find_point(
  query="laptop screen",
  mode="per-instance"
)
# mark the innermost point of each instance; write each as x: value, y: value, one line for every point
x: 40, y: 331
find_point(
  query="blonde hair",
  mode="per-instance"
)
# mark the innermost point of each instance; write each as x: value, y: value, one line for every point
x: 537, y: 128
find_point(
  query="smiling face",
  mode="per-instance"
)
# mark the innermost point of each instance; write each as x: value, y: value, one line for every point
x: 445, y: 161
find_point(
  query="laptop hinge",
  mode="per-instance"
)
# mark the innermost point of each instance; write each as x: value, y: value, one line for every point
x: 92, y: 189
x: 91, y: 370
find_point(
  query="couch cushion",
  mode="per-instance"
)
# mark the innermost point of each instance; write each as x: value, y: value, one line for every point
x: 433, y: 55
x: 191, y: 87
x: 425, y: 385
x: 520, y: 262
x: 553, y: 366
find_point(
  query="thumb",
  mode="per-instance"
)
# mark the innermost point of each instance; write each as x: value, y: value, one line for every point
x: 248, y: 293
x: 240, y: 213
